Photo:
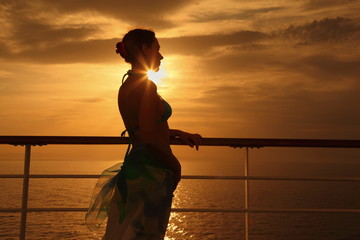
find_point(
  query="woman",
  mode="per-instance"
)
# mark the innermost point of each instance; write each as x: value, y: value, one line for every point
x: 138, y: 198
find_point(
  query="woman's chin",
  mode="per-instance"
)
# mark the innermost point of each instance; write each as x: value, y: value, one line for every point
x: 155, y: 69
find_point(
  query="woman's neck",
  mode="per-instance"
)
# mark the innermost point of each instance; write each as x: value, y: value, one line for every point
x: 138, y: 70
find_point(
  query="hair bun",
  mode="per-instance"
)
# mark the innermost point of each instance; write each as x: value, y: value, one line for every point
x: 120, y: 49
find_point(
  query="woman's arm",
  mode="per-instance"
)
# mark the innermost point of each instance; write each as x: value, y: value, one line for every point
x: 187, y: 138
x: 174, y: 133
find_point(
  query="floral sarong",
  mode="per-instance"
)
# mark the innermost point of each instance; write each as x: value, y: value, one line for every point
x: 136, y: 197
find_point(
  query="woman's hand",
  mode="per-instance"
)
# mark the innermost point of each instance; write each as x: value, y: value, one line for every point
x: 190, y: 139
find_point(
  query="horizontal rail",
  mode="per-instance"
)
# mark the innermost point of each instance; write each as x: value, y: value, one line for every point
x: 231, y: 142
x: 29, y: 141
x: 86, y: 209
x: 191, y: 177
x: 229, y: 210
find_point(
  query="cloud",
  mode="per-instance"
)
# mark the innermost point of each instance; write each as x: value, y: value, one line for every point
x: 33, y: 33
x: 134, y: 11
x: 321, y: 4
x: 34, y: 29
x: 137, y: 12
x: 45, y: 43
x: 4, y: 51
x: 86, y: 51
x: 238, y: 15
x: 195, y: 45
x: 81, y: 100
x: 30, y: 29
x: 103, y: 50
x: 324, y: 70
x: 89, y: 51
x: 325, y: 67
x: 333, y: 30
x: 331, y: 52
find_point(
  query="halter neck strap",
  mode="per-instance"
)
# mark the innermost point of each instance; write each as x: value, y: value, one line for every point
x: 131, y: 73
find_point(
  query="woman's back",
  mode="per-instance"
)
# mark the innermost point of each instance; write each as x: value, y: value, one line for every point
x: 130, y: 97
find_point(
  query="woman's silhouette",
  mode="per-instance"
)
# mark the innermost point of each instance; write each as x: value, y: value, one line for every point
x: 137, y: 198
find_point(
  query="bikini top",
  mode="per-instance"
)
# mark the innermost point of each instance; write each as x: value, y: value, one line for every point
x: 164, y: 117
x: 167, y: 112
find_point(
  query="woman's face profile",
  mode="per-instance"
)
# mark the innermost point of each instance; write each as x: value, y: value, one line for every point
x: 153, y: 56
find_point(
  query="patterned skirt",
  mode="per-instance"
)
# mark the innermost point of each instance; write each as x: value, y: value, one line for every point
x: 136, y: 197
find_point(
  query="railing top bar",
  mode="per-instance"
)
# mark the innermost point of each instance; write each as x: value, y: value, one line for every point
x: 231, y: 142
x: 192, y: 210
x: 198, y: 177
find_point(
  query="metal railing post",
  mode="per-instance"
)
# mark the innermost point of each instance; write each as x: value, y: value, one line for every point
x: 246, y: 187
x: 25, y: 192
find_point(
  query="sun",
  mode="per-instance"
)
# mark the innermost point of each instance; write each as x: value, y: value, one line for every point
x: 156, y: 76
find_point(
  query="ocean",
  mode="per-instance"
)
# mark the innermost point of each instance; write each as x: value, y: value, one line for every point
x: 191, y: 193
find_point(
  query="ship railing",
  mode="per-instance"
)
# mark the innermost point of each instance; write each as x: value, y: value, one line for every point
x: 247, y: 143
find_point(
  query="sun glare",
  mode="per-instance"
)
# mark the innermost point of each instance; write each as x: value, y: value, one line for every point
x: 156, y: 76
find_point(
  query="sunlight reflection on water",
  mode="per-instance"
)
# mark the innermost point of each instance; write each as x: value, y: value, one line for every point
x: 176, y: 227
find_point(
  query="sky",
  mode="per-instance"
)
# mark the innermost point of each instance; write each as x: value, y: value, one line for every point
x: 233, y: 68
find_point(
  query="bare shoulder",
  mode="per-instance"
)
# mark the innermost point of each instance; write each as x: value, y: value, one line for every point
x: 148, y: 89
x: 150, y: 98
x: 150, y: 86
x: 138, y: 88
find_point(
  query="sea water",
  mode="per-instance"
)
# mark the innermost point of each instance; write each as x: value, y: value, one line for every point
x: 194, y: 193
